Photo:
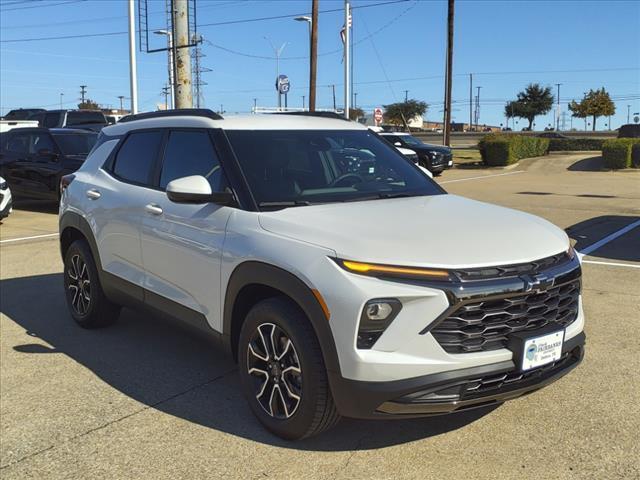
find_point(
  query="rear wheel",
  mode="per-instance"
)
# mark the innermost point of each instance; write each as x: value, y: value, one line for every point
x: 282, y: 371
x: 86, y: 301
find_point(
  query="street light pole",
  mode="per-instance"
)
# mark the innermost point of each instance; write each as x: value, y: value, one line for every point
x: 558, y: 109
x: 277, y: 52
x: 133, y: 73
x: 172, y: 82
x: 628, y: 113
x: 62, y: 94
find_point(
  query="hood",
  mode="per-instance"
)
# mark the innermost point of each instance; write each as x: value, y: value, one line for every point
x: 435, y: 148
x: 445, y: 231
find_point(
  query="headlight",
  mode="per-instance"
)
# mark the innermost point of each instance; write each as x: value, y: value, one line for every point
x: 378, y: 270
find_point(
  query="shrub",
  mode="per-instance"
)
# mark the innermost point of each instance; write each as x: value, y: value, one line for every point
x: 499, y: 149
x: 561, y: 144
x: 617, y: 152
x: 635, y: 154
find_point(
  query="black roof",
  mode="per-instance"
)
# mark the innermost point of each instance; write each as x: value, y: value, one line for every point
x: 179, y: 112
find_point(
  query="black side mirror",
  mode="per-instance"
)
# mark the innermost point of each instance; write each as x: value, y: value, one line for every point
x: 196, y: 189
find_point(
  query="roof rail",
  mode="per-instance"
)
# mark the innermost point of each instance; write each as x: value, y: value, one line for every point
x: 180, y: 112
x: 335, y: 115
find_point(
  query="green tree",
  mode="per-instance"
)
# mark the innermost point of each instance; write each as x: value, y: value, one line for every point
x: 355, y: 113
x: 400, y: 113
x: 533, y: 101
x: 88, y: 105
x: 595, y: 103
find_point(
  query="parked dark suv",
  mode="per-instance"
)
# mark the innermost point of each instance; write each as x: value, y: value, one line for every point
x: 84, y: 119
x: 435, y: 158
x: 32, y: 160
x: 630, y: 130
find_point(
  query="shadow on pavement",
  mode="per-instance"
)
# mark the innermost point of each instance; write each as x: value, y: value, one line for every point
x: 590, y: 231
x: 591, y: 164
x: 181, y: 373
x: 39, y: 206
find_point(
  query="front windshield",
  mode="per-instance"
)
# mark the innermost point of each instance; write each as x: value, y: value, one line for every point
x: 76, y: 143
x: 409, y: 140
x: 303, y: 167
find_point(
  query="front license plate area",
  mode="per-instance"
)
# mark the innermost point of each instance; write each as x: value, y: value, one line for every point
x: 535, y: 349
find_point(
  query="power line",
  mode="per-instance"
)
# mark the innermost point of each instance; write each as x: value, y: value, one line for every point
x: 40, y: 5
x: 230, y: 22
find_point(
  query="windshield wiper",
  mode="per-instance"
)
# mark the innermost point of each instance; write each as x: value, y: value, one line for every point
x: 284, y: 204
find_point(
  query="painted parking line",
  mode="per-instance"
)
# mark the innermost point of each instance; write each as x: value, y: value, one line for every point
x: 482, y: 176
x: 612, y: 264
x: 600, y: 243
x: 29, y: 238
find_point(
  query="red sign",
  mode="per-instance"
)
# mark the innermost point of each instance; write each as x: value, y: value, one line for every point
x: 377, y: 115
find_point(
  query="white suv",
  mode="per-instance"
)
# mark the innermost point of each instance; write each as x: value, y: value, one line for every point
x: 341, y: 278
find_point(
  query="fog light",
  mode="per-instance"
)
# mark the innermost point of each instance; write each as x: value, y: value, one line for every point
x: 376, y: 316
x: 378, y: 310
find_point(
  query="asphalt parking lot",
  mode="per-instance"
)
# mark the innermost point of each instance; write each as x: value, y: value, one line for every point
x: 146, y: 399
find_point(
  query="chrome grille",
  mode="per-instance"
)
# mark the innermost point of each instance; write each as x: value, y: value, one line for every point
x: 481, y: 325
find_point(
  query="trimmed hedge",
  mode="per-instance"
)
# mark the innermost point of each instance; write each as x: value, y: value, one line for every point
x: 621, y: 153
x: 503, y: 149
x: 567, y: 144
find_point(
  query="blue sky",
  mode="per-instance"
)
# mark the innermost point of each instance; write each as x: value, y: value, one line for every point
x: 506, y: 44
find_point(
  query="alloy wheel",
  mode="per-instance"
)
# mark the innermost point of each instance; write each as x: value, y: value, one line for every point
x: 79, y: 285
x: 274, y: 365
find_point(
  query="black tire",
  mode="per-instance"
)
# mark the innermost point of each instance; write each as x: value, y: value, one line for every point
x: 315, y: 410
x: 86, y: 300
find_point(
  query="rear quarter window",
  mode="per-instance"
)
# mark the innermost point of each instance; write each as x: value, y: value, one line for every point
x: 135, y: 160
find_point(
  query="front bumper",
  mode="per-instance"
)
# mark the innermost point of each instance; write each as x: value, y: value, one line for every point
x: 450, y: 391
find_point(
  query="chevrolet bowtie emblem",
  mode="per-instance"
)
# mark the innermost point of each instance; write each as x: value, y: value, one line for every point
x: 537, y: 283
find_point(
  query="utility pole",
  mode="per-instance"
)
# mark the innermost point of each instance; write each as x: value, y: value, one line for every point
x: 121, y: 97
x: 62, y: 94
x: 628, y: 113
x: 83, y: 91
x: 558, y: 109
x: 133, y: 73
x: 180, y: 17
x: 449, y: 75
x: 478, y: 108
x: 302, y: 102
x: 347, y: 17
x: 313, y: 60
x: 355, y: 100
x: 406, y: 96
x: 333, y: 87
x: 255, y: 104
x: 166, y: 90
x: 470, y: 101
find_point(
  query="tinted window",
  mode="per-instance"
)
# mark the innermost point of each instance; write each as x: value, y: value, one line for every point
x: 136, y: 157
x: 81, y: 118
x: 41, y: 141
x: 191, y: 153
x: 51, y: 120
x: 76, y: 143
x: 306, y: 166
x: 18, y: 143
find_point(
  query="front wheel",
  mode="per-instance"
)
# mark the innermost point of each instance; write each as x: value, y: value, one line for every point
x: 282, y: 371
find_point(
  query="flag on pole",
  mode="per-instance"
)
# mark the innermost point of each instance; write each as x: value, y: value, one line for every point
x: 342, y: 30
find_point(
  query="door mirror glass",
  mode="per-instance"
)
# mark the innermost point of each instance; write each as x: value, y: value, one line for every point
x: 196, y: 189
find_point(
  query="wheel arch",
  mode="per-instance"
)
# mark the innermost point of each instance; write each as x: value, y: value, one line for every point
x: 254, y: 281
x: 74, y: 226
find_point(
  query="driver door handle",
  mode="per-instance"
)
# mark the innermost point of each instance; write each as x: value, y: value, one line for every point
x: 93, y: 194
x: 153, y: 209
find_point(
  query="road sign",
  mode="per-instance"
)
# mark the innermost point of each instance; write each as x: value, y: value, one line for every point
x: 282, y: 84
x: 636, y: 119
x: 377, y: 115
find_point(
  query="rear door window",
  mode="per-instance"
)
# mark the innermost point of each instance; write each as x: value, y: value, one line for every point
x: 135, y: 160
x: 191, y: 153
x: 18, y: 143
